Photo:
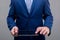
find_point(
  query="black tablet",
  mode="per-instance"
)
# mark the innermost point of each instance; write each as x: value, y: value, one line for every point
x: 27, y: 33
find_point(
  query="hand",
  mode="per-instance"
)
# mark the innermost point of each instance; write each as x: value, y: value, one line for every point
x: 14, y: 31
x: 42, y: 30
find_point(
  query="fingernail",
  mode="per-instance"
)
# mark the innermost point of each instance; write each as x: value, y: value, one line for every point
x: 40, y: 33
x: 35, y: 32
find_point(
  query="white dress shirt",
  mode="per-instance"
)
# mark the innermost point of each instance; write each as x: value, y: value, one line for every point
x: 29, y: 4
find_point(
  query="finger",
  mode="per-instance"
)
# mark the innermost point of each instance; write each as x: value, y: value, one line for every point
x: 38, y: 29
x: 16, y: 32
x: 42, y: 31
x: 45, y: 33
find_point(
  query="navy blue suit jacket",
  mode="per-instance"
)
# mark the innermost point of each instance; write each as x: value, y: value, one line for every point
x: 20, y: 17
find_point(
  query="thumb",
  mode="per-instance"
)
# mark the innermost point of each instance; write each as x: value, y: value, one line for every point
x: 16, y: 29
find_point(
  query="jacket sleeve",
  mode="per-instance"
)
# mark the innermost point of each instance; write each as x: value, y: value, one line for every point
x: 48, y: 18
x: 11, y: 16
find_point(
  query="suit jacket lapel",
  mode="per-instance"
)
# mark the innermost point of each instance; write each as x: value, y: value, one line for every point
x: 24, y: 5
x: 33, y: 7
